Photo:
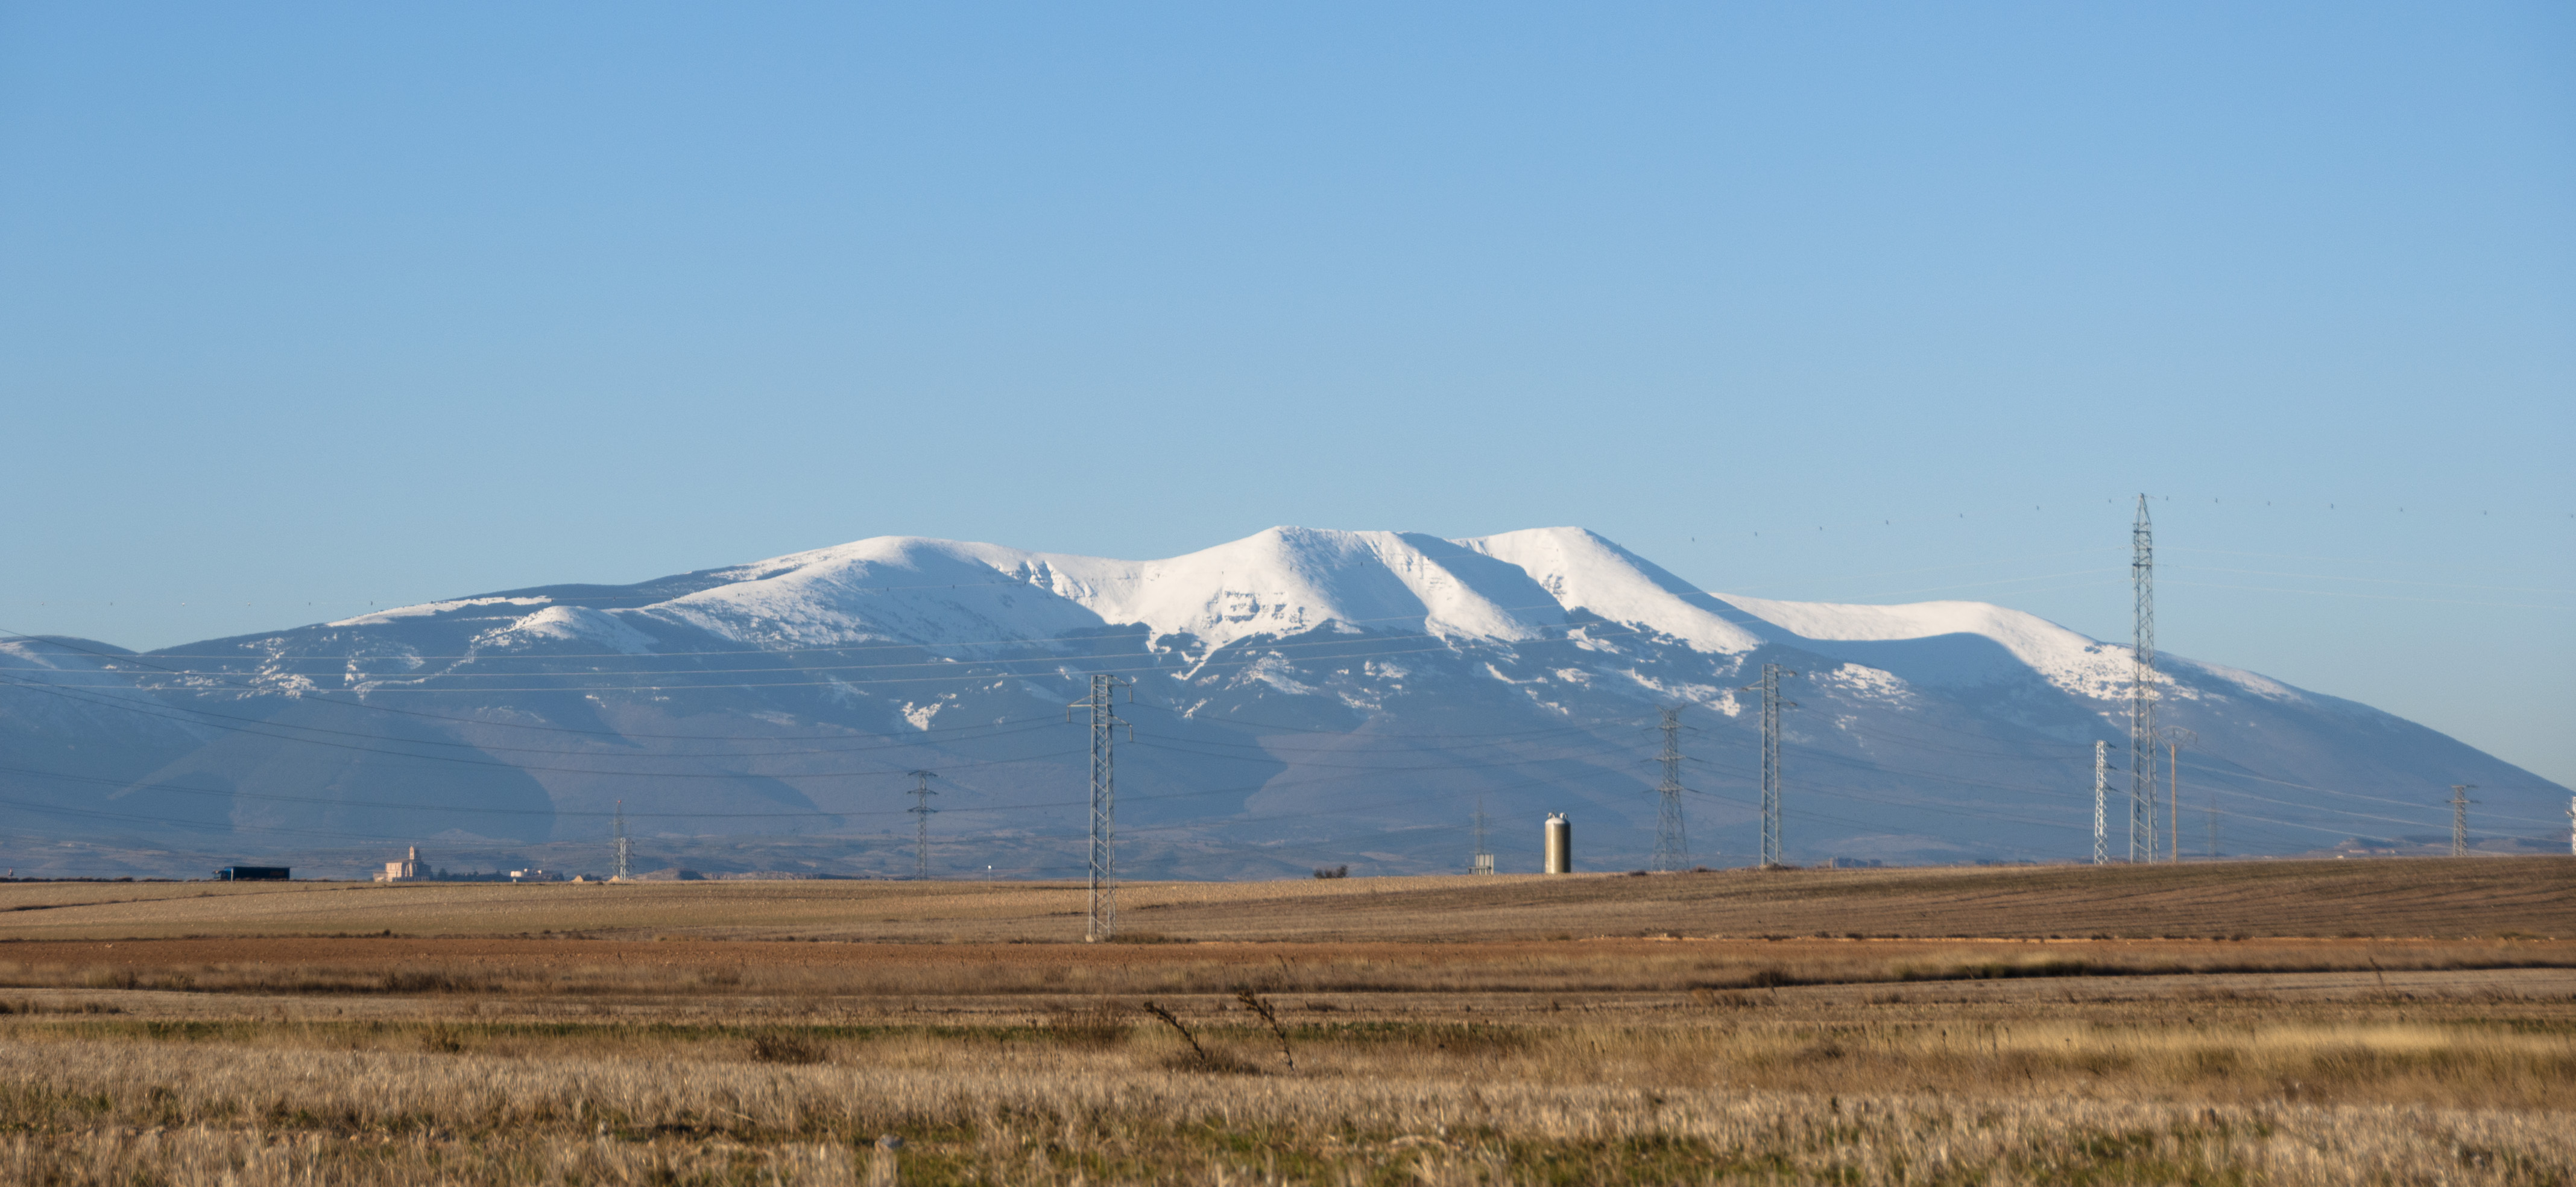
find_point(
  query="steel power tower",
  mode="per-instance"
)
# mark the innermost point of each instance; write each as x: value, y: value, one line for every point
x: 1103, y: 897
x: 2460, y: 802
x: 2175, y: 738
x: 921, y: 811
x: 2101, y: 786
x: 1771, y: 706
x: 1482, y: 860
x: 2142, y: 690
x: 1672, y: 845
x: 625, y: 848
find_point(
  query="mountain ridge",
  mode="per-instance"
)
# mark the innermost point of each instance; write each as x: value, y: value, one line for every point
x: 1308, y: 690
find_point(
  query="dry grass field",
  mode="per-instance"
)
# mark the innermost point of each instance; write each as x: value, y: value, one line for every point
x: 2446, y: 898
x: 2290, y: 1023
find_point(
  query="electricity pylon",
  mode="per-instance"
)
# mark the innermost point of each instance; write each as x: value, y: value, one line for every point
x: 1102, y: 899
x: 2101, y: 786
x: 921, y: 811
x: 625, y: 847
x: 2175, y: 738
x: 2460, y: 802
x: 2142, y: 689
x: 1672, y: 845
x: 1771, y: 706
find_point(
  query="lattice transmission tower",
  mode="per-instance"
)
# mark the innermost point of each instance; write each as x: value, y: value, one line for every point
x: 2460, y: 802
x: 2142, y: 690
x: 1672, y: 844
x: 624, y: 850
x: 1771, y: 706
x: 2101, y: 789
x: 921, y: 812
x: 2175, y: 739
x: 1103, y: 896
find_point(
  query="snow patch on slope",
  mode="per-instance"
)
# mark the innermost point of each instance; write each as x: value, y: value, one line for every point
x: 426, y: 609
x: 889, y: 588
x: 1581, y: 570
x: 2083, y: 666
x: 573, y: 623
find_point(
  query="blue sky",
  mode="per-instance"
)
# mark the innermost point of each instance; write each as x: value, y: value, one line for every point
x: 304, y: 308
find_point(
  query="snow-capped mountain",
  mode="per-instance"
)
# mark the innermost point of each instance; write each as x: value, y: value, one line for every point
x: 1300, y: 697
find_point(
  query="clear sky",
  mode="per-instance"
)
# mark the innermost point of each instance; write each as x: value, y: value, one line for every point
x: 304, y: 308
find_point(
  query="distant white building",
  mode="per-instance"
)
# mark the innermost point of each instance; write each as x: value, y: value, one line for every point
x: 406, y: 870
x: 535, y: 875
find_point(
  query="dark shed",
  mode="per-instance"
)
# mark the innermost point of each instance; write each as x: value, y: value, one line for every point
x: 251, y: 874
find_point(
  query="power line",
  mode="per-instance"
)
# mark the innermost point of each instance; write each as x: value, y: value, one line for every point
x: 166, y: 712
x: 2329, y: 593
x: 556, y: 729
x: 963, y: 672
x: 2353, y: 795
x: 1892, y: 771
x: 1827, y: 755
x: 2542, y: 589
x: 533, y: 656
x: 1810, y: 813
x: 102, y: 696
x: 521, y: 766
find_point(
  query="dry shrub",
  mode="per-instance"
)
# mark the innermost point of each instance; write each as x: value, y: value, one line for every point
x: 430, y: 980
x: 36, y: 1007
x: 1098, y: 1026
x: 1200, y: 1057
x: 787, y: 1046
x: 1210, y: 1061
x: 1769, y: 976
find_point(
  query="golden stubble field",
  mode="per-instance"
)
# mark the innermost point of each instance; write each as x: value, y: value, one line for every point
x: 2295, y: 1023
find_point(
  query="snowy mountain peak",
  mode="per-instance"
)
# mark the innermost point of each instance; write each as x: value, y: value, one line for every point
x: 1283, y: 581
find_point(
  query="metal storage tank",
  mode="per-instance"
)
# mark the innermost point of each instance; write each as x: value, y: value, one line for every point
x: 1560, y: 844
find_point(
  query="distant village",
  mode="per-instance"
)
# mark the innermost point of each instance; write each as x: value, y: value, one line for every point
x: 412, y: 869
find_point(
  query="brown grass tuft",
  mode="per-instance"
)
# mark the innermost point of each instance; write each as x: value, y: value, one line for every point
x: 789, y: 1047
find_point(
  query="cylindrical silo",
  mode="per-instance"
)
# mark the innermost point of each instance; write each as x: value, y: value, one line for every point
x: 1560, y: 844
